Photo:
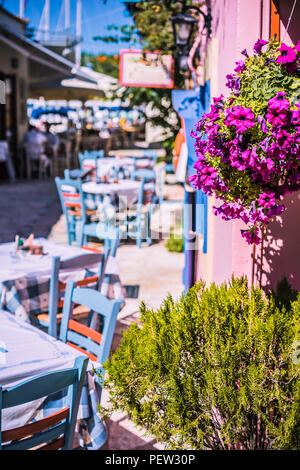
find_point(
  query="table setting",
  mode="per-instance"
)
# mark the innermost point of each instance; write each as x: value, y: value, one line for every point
x: 25, y: 352
x: 25, y: 277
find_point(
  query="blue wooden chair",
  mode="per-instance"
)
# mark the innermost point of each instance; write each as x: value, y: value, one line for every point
x: 161, y: 199
x: 49, y: 320
x: 90, y: 155
x: 150, y: 153
x: 137, y: 219
x: 55, y: 431
x: 79, y: 218
x: 86, y: 339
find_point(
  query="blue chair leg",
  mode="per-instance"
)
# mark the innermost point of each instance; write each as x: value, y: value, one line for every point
x: 80, y: 235
x: 149, y: 240
x: 139, y: 241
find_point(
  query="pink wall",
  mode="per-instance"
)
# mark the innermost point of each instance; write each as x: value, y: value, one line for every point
x: 237, y: 24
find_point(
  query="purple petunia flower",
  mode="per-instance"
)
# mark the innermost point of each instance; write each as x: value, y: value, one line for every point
x: 259, y: 45
x: 266, y: 200
x: 241, y: 118
x: 263, y: 125
x: 287, y: 55
x: 279, y: 103
x: 251, y: 236
x: 277, y: 117
x: 268, y: 156
x: 240, y: 66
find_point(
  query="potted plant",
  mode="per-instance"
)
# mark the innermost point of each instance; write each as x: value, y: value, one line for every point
x: 248, y: 145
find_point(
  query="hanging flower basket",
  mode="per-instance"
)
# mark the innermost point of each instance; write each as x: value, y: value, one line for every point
x: 248, y: 144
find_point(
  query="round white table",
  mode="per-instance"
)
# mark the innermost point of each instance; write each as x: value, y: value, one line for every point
x: 128, y: 189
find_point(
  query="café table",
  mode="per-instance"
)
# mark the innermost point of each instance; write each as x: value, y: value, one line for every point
x: 125, y: 189
x: 138, y: 153
x: 26, y: 351
x: 105, y: 165
x: 25, y: 278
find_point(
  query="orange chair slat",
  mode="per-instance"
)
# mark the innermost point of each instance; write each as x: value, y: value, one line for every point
x: 90, y: 355
x: 90, y: 248
x: 71, y: 195
x: 38, y: 426
x: 55, y: 445
x: 73, y: 205
x: 84, y: 282
x: 87, y: 281
x: 62, y: 286
x: 85, y: 331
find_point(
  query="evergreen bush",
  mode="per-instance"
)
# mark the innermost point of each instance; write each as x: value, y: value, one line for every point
x: 212, y: 370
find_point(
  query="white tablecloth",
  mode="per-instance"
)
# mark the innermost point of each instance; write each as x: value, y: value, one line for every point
x: 14, y: 266
x: 128, y: 189
x: 24, y: 279
x: 25, y: 351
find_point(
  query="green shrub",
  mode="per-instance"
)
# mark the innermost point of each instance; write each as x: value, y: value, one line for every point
x: 175, y: 244
x: 212, y: 370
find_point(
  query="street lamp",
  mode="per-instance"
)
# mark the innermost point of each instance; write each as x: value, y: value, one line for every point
x: 183, y: 27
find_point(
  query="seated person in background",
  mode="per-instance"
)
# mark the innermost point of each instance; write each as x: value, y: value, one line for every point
x: 33, y: 135
x: 52, y: 141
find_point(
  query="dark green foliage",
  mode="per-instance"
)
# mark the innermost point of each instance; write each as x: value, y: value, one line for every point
x: 212, y: 370
x: 284, y: 294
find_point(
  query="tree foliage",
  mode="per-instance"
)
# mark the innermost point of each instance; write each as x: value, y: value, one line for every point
x: 213, y: 370
x: 102, y: 63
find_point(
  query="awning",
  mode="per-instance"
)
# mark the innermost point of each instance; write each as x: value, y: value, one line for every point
x: 71, y: 87
x: 38, y: 53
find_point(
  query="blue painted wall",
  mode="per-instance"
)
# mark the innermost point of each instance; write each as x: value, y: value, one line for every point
x: 191, y: 105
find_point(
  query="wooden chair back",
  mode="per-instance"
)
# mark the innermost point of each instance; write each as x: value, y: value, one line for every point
x: 148, y: 178
x: 94, y: 344
x: 55, y: 431
x: 72, y: 203
x: 57, y: 288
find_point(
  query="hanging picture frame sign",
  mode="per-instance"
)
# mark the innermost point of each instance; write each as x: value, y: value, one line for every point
x: 146, y: 69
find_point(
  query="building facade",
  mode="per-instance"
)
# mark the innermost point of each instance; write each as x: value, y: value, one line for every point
x: 220, y: 249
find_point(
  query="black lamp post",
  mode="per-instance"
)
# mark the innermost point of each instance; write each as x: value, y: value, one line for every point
x: 183, y: 28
